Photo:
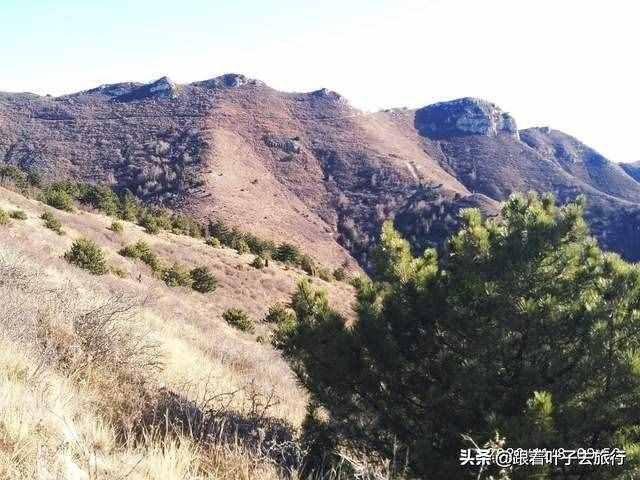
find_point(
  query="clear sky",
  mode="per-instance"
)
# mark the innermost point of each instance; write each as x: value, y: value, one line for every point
x: 569, y: 64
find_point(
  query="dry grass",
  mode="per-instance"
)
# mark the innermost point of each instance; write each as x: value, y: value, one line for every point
x: 109, y: 378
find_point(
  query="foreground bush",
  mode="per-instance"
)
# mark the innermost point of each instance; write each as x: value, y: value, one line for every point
x: 86, y: 254
x: 52, y: 222
x: 238, y: 318
x: 525, y: 328
x: 4, y: 217
x: 202, y: 281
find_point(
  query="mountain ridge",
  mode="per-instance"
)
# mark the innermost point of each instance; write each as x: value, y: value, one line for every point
x: 308, y: 167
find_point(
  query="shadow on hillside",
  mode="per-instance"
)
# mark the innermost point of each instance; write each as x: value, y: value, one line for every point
x: 265, y: 438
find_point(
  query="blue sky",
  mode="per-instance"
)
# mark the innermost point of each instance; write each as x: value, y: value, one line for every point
x: 570, y: 64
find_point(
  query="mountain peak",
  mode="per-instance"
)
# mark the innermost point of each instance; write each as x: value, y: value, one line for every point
x: 229, y: 80
x: 464, y: 116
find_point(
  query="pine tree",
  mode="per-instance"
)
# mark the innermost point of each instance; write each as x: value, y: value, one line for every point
x: 524, y: 327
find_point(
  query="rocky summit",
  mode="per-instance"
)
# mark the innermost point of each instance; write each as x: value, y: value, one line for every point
x: 308, y: 167
x: 466, y: 116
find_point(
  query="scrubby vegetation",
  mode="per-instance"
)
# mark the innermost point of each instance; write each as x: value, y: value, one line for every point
x: 279, y: 314
x: 340, y: 274
x: 4, y: 217
x: 18, y: 215
x: 116, y: 227
x: 213, y: 242
x: 60, y: 196
x: 52, y: 222
x: 258, y: 262
x: 238, y: 318
x: 242, y: 247
x: 202, y: 280
x: 287, y: 253
x: 67, y: 195
x: 142, y: 251
x: 176, y: 276
x: 86, y: 254
x: 150, y: 223
x: 84, y: 363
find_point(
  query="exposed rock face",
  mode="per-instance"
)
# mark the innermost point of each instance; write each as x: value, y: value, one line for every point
x: 110, y: 90
x: 465, y: 116
x: 230, y: 80
x: 161, y: 88
x: 326, y: 94
x: 287, y: 145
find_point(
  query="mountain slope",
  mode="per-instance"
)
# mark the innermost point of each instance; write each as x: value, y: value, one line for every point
x: 307, y: 167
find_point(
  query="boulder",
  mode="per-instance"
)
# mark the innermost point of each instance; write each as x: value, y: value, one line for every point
x: 465, y: 116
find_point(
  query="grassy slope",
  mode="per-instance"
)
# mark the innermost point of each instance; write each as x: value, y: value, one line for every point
x: 49, y: 420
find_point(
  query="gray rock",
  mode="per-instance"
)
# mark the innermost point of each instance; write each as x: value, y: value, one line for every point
x: 287, y: 145
x: 229, y: 80
x: 465, y: 116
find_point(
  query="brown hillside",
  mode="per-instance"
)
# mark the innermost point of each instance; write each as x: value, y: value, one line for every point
x: 307, y: 167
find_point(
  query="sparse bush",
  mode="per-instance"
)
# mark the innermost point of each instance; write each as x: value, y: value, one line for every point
x: 202, y: 281
x: 18, y: 215
x: 307, y: 264
x: 258, y: 246
x: 86, y: 254
x: 176, y: 276
x: 118, y: 272
x: 150, y: 224
x: 222, y: 232
x: 60, y: 198
x: 142, y: 251
x: 52, y: 222
x: 100, y: 197
x: 357, y: 282
x: 4, y: 217
x: 324, y: 274
x: 213, y: 242
x: 287, y: 253
x: 340, y: 274
x: 258, y: 262
x: 279, y: 313
x: 242, y: 247
x: 34, y: 178
x: 11, y: 173
x: 116, y: 227
x: 238, y: 318
x: 129, y: 207
x: 183, y: 225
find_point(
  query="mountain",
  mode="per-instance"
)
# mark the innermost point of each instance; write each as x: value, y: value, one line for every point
x: 308, y: 167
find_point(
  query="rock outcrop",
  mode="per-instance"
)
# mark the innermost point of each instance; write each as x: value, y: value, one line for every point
x: 161, y: 88
x: 229, y: 80
x: 464, y: 116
